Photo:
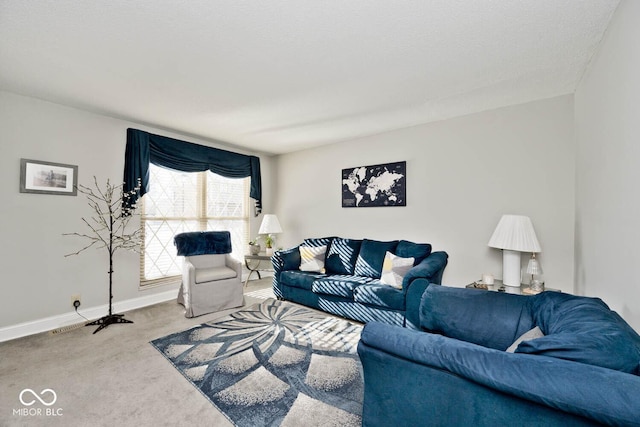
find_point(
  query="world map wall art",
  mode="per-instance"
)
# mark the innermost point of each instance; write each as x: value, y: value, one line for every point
x: 376, y: 185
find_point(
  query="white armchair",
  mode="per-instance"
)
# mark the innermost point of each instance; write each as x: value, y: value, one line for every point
x: 210, y: 282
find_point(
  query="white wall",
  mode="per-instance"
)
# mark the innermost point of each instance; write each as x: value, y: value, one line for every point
x: 608, y: 169
x: 38, y: 280
x: 462, y: 175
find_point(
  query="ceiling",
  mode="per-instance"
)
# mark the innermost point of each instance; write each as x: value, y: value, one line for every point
x: 283, y: 75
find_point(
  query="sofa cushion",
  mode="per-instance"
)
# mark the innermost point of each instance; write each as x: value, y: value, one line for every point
x: 584, y: 330
x: 312, y: 258
x: 378, y: 294
x: 371, y: 257
x: 394, y: 268
x: 418, y: 251
x: 490, y: 319
x: 342, y: 255
x: 338, y: 285
x: 299, y: 279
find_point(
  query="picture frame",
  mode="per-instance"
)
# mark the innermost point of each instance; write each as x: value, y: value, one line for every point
x: 41, y: 177
x: 382, y: 185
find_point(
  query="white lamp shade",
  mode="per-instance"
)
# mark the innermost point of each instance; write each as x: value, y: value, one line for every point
x: 270, y: 225
x: 515, y: 233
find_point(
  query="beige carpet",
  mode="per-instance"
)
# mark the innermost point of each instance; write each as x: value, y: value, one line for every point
x: 112, y: 378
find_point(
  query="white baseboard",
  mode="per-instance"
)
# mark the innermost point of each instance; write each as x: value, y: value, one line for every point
x: 49, y: 323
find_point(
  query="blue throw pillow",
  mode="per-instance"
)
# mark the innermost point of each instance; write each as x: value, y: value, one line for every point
x: 342, y: 255
x: 418, y: 251
x: 288, y: 259
x: 583, y: 330
x: 371, y: 257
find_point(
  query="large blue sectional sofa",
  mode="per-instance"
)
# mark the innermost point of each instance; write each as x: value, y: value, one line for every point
x: 350, y: 285
x: 580, y: 367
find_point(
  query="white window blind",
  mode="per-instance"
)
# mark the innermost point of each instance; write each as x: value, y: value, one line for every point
x: 181, y: 201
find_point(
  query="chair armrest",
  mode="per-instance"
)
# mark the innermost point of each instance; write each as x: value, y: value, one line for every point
x: 233, y: 264
x: 597, y: 393
x: 188, y: 280
x: 188, y: 272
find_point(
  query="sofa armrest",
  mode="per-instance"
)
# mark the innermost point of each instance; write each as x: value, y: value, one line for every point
x: 430, y: 268
x: 283, y: 260
x: 596, y: 393
x: 415, y: 282
x: 412, y: 300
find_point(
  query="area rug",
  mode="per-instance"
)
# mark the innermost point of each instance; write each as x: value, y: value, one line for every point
x: 274, y: 364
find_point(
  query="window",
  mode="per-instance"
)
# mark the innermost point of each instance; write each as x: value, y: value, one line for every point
x: 181, y: 201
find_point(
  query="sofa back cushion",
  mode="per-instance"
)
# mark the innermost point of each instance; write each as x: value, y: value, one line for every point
x: 342, y: 256
x: 318, y: 241
x: 583, y: 330
x: 371, y: 257
x: 417, y: 251
x: 490, y: 319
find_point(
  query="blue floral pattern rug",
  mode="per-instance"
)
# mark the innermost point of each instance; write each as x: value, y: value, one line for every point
x: 274, y: 364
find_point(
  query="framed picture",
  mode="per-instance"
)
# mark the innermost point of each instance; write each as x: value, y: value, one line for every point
x: 376, y: 185
x: 48, y: 178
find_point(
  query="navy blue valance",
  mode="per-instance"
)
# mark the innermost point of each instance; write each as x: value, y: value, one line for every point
x: 144, y: 148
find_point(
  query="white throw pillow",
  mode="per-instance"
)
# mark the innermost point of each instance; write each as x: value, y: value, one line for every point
x: 527, y: 336
x: 312, y: 258
x: 394, y: 268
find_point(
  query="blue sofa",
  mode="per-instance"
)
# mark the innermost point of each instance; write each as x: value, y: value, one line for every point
x: 455, y: 372
x: 350, y: 283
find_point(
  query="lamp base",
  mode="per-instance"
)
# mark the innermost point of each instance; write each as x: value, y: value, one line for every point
x: 510, y: 268
x: 537, y: 285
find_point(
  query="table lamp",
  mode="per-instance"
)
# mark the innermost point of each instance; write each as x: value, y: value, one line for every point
x: 514, y: 234
x: 270, y: 226
x: 535, y: 270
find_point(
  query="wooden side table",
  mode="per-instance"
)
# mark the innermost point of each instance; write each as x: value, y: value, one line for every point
x: 252, y: 262
x: 499, y: 287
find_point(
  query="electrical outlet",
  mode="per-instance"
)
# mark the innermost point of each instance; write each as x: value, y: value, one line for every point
x: 74, y: 298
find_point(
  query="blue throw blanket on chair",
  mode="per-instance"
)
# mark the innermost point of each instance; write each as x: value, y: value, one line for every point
x: 203, y: 243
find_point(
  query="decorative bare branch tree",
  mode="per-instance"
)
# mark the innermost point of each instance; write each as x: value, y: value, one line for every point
x: 109, y: 229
